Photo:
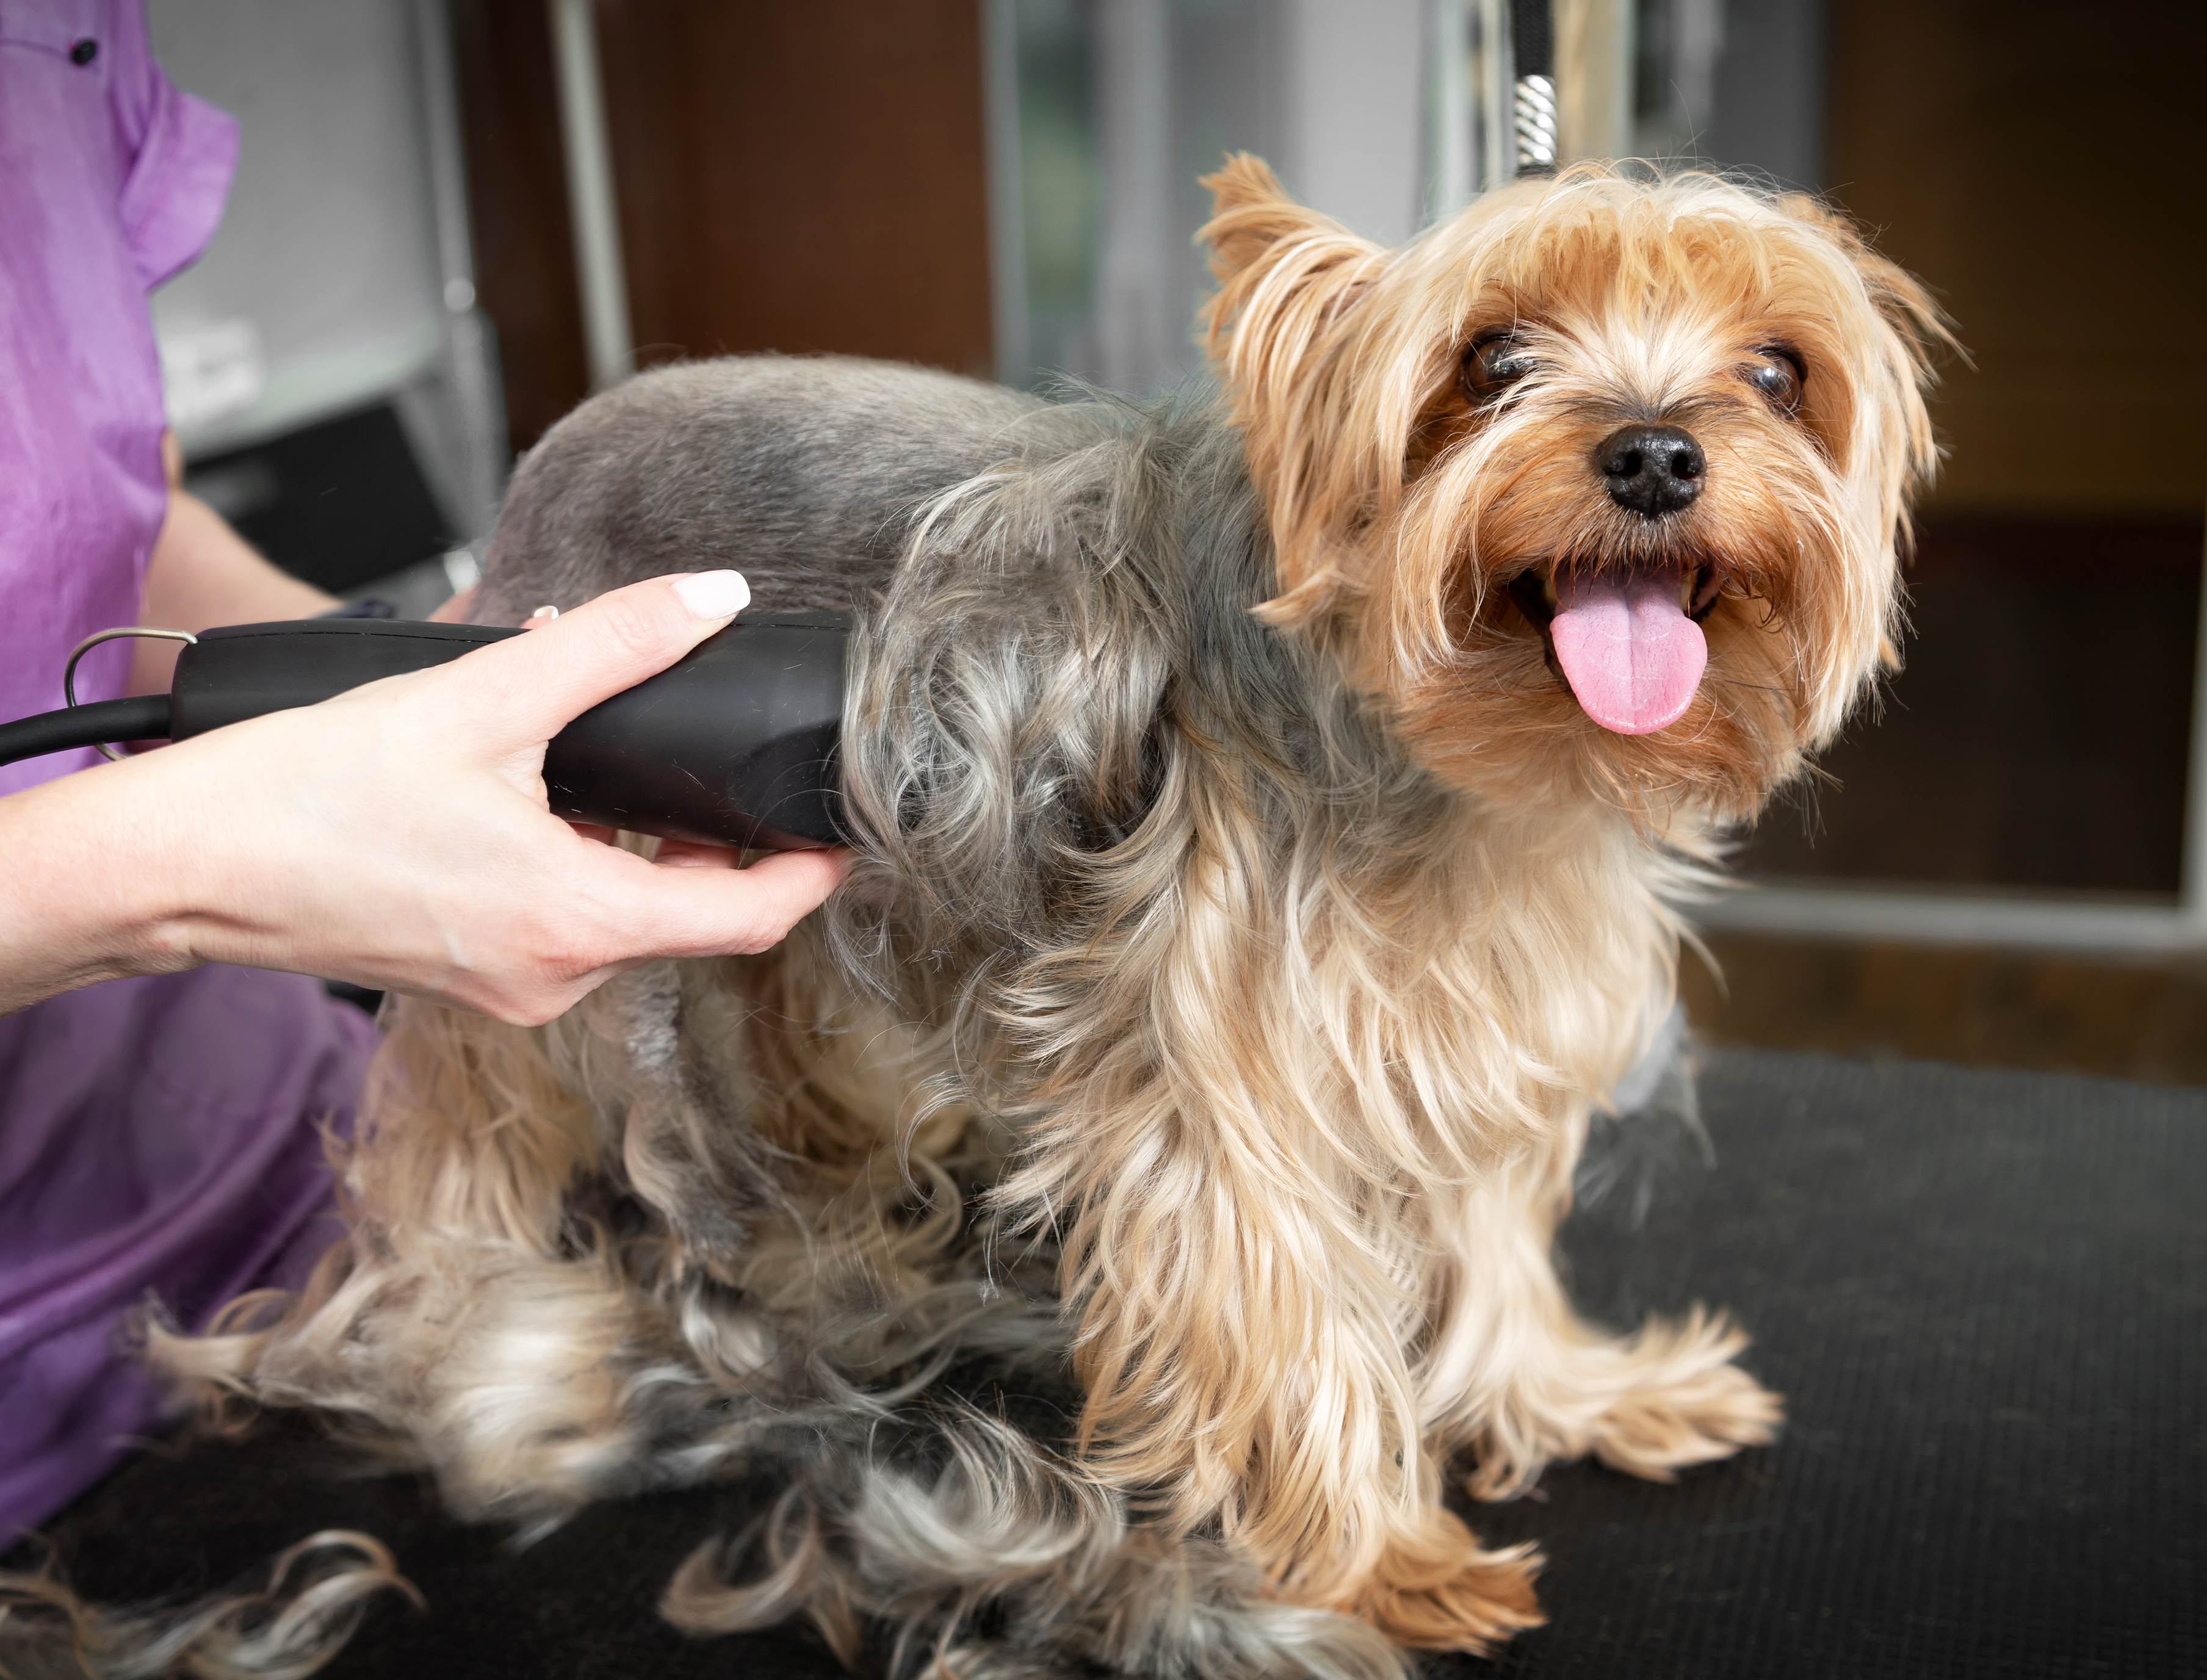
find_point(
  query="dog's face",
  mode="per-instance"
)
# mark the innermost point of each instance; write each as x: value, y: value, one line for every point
x: 1597, y: 486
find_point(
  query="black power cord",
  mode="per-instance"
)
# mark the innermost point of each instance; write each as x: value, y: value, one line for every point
x: 1533, y: 38
x: 139, y: 717
x: 143, y: 717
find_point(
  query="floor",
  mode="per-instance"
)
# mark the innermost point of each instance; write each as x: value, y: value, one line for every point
x: 1979, y: 1292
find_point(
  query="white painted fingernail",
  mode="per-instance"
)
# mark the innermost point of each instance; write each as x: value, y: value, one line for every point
x: 714, y: 595
x: 547, y: 610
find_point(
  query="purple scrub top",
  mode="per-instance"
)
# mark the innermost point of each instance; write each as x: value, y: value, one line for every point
x: 159, y: 1138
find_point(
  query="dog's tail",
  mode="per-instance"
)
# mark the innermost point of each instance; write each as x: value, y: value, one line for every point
x: 979, y: 1553
x: 316, y: 1595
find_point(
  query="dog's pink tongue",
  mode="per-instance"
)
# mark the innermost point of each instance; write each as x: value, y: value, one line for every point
x: 1633, y: 656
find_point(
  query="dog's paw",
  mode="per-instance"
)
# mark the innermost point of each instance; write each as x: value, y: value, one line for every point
x: 1689, y: 1403
x: 1438, y: 1591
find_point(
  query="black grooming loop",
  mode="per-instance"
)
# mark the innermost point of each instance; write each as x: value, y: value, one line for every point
x: 1533, y: 53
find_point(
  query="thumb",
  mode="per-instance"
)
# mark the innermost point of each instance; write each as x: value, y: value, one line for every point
x: 699, y: 913
x: 538, y: 684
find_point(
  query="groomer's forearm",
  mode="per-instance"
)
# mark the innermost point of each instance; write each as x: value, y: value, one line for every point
x: 203, y: 573
x: 81, y: 896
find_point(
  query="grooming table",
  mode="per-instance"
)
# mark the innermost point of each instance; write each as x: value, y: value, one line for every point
x: 1984, y: 1295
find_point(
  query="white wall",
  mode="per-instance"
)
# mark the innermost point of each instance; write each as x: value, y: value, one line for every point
x: 326, y: 258
x: 1355, y: 145
x: 1331, y: 92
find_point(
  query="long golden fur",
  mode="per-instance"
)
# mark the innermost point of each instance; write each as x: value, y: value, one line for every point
x: 1248, y: 922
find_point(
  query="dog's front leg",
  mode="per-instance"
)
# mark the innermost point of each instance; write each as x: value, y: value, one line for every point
x: 1243, y: 1310
x: 1514, y: 1375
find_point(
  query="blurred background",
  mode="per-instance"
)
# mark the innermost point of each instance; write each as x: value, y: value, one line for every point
x: 453, y: 219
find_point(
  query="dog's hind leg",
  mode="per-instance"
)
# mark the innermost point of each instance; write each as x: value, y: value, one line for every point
x: 524, y: 1298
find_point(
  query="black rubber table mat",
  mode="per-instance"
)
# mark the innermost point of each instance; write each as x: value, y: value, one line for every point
x: 1983, y: 1294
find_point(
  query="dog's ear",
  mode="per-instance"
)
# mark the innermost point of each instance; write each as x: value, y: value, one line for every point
x: 1250, y: 214
x: 1900, y: 295
x: 1894, y: 420
x: 1288, y: 278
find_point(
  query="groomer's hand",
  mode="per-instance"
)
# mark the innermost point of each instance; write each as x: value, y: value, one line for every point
x: 397, y: 836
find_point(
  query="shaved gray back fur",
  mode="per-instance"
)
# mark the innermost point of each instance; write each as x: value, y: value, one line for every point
x: 1055, y: 681
x: 803, y: 474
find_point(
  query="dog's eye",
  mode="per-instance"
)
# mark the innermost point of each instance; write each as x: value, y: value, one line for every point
x: 1777, y: 372
x: 1492, y: 366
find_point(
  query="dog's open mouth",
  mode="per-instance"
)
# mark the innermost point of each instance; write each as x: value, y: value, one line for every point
x: 1627, y: 642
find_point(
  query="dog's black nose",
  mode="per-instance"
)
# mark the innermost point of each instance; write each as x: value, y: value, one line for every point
x: 1651, y: 469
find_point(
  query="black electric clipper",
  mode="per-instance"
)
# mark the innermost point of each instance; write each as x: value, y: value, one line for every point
x: 733, y: 743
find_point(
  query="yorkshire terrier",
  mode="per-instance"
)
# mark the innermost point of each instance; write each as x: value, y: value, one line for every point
x: 1272, y: 805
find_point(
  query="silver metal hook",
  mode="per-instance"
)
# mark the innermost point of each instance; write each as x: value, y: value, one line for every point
x: 69, y: 670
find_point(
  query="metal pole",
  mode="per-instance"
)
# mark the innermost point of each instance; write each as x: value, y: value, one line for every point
x: 1497, y: 146
x: 1472, y: 147
x: 468, y: 348
x: 1008, y: 241
x: 1135, y: 325
x: 608, y: 342
x: 2194, y: 876
x: 1451, y: 102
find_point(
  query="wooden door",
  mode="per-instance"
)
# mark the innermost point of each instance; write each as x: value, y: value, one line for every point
x: 800, y: 179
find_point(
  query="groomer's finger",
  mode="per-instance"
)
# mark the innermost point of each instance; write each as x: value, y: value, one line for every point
x: 705, y: 912
x: 675, y: 854
x: 536, y: 685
